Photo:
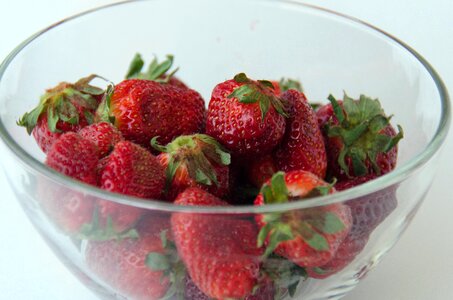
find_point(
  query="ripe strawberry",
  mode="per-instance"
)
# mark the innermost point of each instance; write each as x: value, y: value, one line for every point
x: 66, y: 107
x: 132, y: 170
x: 74, y: 156
x: 261, y: 169
x: 359, y: 137
x: 266, y: 291
x: 308, y: 237
x: 194, y: 160
x: 143, y: 109
x: 246, y: 116
x: 157, y: 72
x: 219, y: 252
x: 104, y: 135
x: 67, y: 209
x: 302, y: 147
x: 123, y: 265
x: 367, y: 213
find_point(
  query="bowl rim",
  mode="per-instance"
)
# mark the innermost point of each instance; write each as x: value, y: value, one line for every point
x: 397, y: 175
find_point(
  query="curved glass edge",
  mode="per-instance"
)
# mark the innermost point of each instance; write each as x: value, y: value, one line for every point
x: 399, y: 174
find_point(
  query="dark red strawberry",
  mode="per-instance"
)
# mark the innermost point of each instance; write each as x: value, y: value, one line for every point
x: 74, y: 156
x: 66, y: 107
x: 303, y: 146
x: 308, y: 237
x: 132, y: 170
x: 142, y: 109
x: 219, y: 251
x: 359, y: 137
x: 122, y: 264
x: 156, y: 71
x: 367, y: 213
x: 260, y: 169
x: 104, y: 135
x: 194, y: 160
x: 246, y: 116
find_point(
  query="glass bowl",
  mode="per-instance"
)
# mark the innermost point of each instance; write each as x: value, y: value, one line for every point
x: 212, y: 41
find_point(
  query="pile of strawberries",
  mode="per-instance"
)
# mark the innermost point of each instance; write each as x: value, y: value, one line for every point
x: 259, y: 142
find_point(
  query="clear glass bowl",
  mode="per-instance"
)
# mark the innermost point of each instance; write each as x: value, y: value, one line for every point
x: 212, y: 41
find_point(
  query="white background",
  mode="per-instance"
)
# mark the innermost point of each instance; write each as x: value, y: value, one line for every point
x: 419, y: 267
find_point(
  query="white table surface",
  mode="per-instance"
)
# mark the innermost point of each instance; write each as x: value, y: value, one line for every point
x: 419, y: 267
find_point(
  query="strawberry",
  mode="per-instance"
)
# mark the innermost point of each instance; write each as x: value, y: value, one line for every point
x: 194, y: 160
x: 142, y: 109
x: 266, y: 291
x: 367, y: 213
x: 308, y: 237
x: 66, y: 107
x: 359, y: 137
x: 261, y: 169
x: 132, y: 170
x: 246, y: 116
x: 123, y: 264
x: 302, y: 147
x: 156, y: 71
x: 219, y: 251
x: 67, y: 209
x: 74, y: 156
x: 104, y: 135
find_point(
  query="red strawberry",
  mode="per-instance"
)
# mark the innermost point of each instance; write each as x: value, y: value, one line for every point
x: 194, y: 160
x: 359, y: 137
x: 261, y: 169
x: 246, y: 116
x: 367, y: 213
x: 143, y: 109
x: 66, y: 107
x: 156, y: 71
x: 266, y: 291
x: 123, y: 264
x: 67, y: 209
x: 129, y: 170
x: 74, y: 156
x: 219, y: 252
x: 104, y: 135
x: 308, y: 237
x: 302, y: 147
x: 132, y: 170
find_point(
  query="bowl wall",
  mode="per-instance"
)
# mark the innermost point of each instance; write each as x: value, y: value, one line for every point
x: 212, y: 41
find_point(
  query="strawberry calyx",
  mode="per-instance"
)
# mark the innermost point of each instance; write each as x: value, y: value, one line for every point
x: 360, y: 123
x: 284, y: 274
x: 196, y: 153
x: 61, y: 104
x: 171, y: 265
x: 290, y: 84
x: 310, y: 224
x: 95, y: 232
x: 156, y: 71
x: 103, y: 112
x: 260, y: 91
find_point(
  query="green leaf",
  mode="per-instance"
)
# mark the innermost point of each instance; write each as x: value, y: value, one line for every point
x: 103, y: 111
x: 317, y: 242
x: 268, y: 196
x: 52, y: 120
x: 267, y: 84
x: 262, y: 235
x: 170, y: 172
x: 135, y: 67
x: 332, y: 223
x: 264, y: 107
x: 280, y: 234
x: 241, y: 78
x: 338, y: 111
x: 358, y: 157
x: 157, y: 261
x: 30, y: 119
x: 158, y: 70
x: 202, y: 178
x: 288, y: 83
x: 395, y: 140
x: 155, y: 144
x: 279, y: 190
x: 242, y: 92
x: 378, y: 123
